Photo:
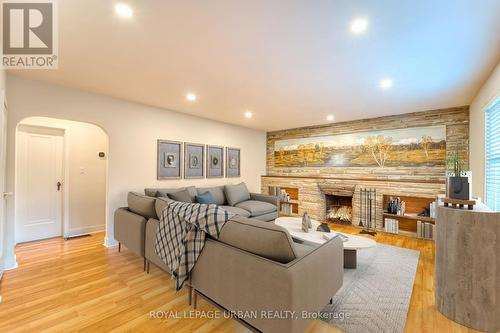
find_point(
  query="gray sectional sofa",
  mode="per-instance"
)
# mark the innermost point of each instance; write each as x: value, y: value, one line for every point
x: 254, y: 266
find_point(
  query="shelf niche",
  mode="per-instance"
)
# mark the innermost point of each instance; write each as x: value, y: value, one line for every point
x: 293, y: 203
x: 414, y: 205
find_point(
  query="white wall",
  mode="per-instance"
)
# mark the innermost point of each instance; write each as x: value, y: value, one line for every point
x: 485, y: 96
x: 132, y: 130
x: 85, y: 174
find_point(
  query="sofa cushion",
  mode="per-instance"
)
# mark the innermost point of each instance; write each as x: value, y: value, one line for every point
x: 267, y: 217
x: 257, y: 208
x: 162, y: 192
x: 301, y: 249
x: 182, y: 196
x: 151, y: 192
x: 141, y: 204
x: 217, y: 192
x: 205, y: 198
x: 160, y: 204
x: 236, y: 210
x: 264, y: 239
x: 236, y: 193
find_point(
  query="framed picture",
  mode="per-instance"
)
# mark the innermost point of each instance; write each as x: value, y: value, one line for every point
x: 194, y: 160
x: 169, y: 159
x: 233, y: 162
x: 215, y: 162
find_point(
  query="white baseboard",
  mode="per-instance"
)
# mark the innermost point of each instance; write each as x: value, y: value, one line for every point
x: 86, y: 230
x: 110, y: 242
x: 10, y: 263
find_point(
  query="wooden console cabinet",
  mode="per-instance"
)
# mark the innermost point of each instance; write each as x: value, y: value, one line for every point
x: 468, y: 266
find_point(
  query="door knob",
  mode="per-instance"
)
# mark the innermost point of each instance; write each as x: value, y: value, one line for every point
x: 7, y: 194
x: 58, y: 186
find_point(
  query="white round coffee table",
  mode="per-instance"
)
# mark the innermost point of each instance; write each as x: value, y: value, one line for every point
x: 352, y: 243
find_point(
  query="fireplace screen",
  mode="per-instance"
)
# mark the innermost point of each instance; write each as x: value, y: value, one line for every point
x: 339, y: 209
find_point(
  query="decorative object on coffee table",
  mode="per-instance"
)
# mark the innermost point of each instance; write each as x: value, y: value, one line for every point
x: 215, y: 162
x: 367, y: 210
x: 306, y: 222
x: 169, y: 159
x: 233, y: 156
x: 316, y: 238
x: 458, y: 182
x: 323, y: 227
x: 194, y: 160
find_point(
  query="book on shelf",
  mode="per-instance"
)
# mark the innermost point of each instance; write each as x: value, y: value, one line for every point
x: 286, y: 209
x: 410, y: 214
x: 391, y: 225
x: 426, y: 230
x: 282, y: 195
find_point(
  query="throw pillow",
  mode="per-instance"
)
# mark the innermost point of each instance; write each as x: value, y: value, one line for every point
x: 160, y: 205
x: 205, y: 198
x: 217, y: 192
x: 141, y: 204
x: 182, y: 196
x: 236, y: 193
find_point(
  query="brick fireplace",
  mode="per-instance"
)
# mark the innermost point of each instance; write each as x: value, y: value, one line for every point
x: 317, y: 195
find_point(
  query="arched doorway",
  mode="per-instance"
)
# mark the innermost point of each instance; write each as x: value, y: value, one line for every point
x: 61, y: 179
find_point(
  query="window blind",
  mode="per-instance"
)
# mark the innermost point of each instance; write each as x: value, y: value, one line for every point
x: 493, y: 156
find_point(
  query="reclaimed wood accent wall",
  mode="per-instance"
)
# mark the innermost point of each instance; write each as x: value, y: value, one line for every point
x: 314, y: 182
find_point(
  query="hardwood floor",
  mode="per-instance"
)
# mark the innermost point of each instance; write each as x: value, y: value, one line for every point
x: 79, y: 285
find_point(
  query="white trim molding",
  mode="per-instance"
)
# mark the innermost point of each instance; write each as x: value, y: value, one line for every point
x: 74, y: 232
x: 110, y: 242
x: 10, y: 263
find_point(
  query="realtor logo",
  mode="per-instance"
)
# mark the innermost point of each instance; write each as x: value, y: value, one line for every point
x: 29, y: 36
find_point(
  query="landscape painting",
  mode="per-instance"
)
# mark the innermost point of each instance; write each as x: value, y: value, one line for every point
x: 416, y: 146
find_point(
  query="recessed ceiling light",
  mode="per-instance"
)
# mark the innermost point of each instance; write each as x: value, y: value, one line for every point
x: 191, y: 97
x: 359, y: 25
x: 123, y: 10
x: 330, y: 117
x: 385, y: 83
x: 248, y: 114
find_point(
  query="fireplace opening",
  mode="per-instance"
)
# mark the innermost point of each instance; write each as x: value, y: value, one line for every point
x: 339, y: 209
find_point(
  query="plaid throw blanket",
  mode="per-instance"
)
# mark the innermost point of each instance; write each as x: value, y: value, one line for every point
x: 181, y: 235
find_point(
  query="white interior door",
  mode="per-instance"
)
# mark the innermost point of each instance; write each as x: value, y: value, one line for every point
x: 39, y: 183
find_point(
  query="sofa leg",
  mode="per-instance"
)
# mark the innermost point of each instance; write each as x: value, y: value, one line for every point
x: 331, y: 300
x: 147, y: 267
x: 144, y: 265
x: 195, y: 299
x: 119, y: 247
x: 190, y: 294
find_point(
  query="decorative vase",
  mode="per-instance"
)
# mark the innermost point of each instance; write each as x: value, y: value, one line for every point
x: 458, y: 188
x: 306, y: 222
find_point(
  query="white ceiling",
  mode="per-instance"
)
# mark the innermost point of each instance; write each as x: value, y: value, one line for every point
x: 290, y: 62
